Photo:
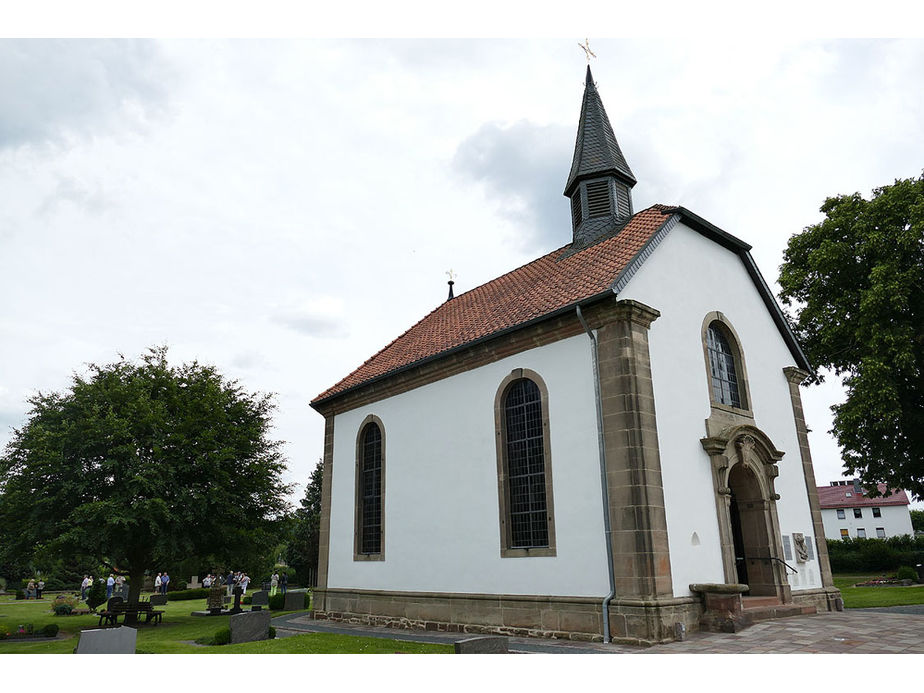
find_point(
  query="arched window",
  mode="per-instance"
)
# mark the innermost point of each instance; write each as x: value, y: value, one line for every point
x: 727, y: 373
x: 370, y: 490
x: 525, y: 492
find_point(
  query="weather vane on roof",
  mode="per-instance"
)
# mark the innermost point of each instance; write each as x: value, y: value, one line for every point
x: 586, y: 48
x: 452, y: 275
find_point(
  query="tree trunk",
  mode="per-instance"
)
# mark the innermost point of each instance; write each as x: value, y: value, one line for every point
x: 135, y: 583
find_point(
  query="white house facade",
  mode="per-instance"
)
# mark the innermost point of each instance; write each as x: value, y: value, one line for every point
x: 847, y: 512
x: 605, y: 443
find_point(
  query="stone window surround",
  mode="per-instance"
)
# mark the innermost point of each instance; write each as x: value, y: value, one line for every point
x: 744, y: 391
x: 503, y: 491
x: 357, y: 509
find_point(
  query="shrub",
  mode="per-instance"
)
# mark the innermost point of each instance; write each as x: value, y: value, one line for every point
x: 176, y: 586
x: 49, y: 631
x: 64, y: 604
x: 272, y: 633
x: 907, y: 573
x: 222, y: 637
x: 181, y: 595
x: 277, y: 601
x: 20, y: 594
x: 97, y: 594
x: 247, y: 599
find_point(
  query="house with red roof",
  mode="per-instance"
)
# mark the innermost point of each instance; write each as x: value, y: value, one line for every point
x: 586, y: 447
x: 849, y: 512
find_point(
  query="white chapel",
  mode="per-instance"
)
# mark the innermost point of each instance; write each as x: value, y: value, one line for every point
x: 606, y: 443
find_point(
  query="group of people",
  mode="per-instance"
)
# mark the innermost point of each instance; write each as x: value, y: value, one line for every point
x: 34, y: 589
x: 241, y: 578
x: 161, y: 582
x: 114, y: 583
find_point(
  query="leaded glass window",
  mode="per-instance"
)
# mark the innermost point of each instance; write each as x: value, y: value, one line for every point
x: 723, y: 372
x: 527, y: 506
x: 370, y: 494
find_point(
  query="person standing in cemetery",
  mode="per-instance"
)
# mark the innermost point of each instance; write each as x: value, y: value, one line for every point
x: 84, y: 586
x: 229, y: 582
x: 164, y: 581
x: 157, y: 582
x: 119, y: 581
x: 283, y: 581
x: 30, y: 590
x: 110, y: 584
x: 40, y: 585
x: 245, y: 580
x: 207, y: 581
x: 274, y: 583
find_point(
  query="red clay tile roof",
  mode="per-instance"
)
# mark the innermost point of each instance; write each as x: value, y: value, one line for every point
x: 836, y: 497
x: 530, y: 292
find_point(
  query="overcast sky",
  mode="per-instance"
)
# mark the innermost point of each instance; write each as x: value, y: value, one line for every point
x: 282, y: 209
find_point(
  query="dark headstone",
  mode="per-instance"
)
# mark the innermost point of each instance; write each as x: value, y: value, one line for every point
x: 295, y: 601
x: 260, y: 598
x: 250, y: 626
x: 158, y: 599
x: 236, y: 609
x: 257, y: 607
x: 488, y: 644
x: 107, y: 641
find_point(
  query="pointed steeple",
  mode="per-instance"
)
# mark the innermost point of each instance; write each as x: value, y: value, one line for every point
x: 600, y: 181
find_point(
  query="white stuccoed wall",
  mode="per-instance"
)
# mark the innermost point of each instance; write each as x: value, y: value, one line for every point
x: 687, y: 277
x: 441, y: 508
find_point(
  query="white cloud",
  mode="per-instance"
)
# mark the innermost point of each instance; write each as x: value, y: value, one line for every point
x: 57, y: 90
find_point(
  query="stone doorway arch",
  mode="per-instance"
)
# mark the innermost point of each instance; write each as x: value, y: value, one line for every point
x: 744, y: 467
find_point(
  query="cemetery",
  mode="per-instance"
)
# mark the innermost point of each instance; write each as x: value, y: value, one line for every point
x: 179, y: 630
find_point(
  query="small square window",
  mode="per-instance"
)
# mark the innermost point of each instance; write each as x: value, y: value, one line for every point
x: 877, y: 512
x: 840, y: 514
x: 880, y: 532
x: 848, y: 494
x: 857, y: 512
x: 861, y: 533
x: 844, y: 534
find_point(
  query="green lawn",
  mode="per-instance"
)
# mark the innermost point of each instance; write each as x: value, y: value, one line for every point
x: 864, y: 597
x: 178, y: 631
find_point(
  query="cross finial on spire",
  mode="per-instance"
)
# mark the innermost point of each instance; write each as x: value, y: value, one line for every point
x: 452, y: 276
x: 587, y: 52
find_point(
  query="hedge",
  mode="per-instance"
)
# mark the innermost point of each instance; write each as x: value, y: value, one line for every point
x: 860, y: 555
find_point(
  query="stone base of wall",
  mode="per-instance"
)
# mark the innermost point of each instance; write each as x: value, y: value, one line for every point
x: 828, y: 599
x: 565, y: 618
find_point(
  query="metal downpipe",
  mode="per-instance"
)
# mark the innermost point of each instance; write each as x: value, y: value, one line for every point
x: 608, y: 532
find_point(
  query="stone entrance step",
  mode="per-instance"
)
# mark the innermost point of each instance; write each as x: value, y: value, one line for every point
x: 767, y: 608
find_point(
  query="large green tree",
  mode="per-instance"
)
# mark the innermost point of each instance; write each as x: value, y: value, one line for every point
x: 302, y: 549
x: 140, y: 464
x: 856, y: 284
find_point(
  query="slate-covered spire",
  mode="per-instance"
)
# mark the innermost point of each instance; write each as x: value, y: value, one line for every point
x: 600, y: 181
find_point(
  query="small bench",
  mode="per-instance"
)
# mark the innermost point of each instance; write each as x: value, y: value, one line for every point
x: 119, y: 608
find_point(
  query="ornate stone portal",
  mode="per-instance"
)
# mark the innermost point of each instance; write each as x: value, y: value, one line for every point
x: 744, y: 467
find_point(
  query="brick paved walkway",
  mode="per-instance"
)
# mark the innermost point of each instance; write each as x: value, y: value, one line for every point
x: 847, y: 632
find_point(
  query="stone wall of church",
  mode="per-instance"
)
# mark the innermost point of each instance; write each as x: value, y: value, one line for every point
x: 442, y: 529
x: 688, y: 278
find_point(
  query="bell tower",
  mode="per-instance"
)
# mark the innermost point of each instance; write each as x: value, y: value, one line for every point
x: 600, y: 183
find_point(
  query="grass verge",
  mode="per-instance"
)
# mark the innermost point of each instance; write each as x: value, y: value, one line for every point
x: 867, y: 597
x: 179, y: 630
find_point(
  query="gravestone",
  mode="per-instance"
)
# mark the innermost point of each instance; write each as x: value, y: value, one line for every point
x: 112, y: 601
x: 216, y: 599
x: 124, y: 592
x: 107, y: 641
x: 158, y: 599
x: 194, y: 583
x: 238, y: 591
x: 489, y: 644
x: 260, y: 598
x: 295, y: 601
x: 250, y: 626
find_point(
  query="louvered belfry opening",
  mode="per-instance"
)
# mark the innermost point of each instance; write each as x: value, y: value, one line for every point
x: 576, y: 217
x: 598, y: 199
